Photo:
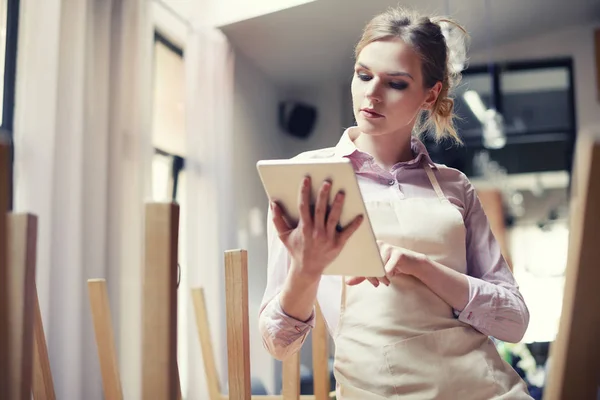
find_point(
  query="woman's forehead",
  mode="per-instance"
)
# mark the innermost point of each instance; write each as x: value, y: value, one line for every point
x: 388, y: 56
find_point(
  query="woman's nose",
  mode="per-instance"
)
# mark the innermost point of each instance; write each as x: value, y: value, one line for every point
x: 373, y: 93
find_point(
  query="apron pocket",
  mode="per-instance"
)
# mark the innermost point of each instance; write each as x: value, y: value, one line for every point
x: 445, y: 364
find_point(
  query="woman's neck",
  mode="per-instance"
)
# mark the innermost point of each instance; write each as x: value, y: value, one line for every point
x: 388, y: 149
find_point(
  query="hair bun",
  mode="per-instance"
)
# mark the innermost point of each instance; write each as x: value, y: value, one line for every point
x: 457, y: 42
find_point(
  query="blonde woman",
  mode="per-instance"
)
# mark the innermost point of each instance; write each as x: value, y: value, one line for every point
x: 423, y: 331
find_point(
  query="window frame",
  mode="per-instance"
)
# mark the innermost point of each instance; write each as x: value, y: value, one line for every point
x: 177, y: 161
x: 8, y: 94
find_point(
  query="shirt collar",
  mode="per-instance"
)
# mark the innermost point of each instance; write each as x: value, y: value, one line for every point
x: 347, y: 148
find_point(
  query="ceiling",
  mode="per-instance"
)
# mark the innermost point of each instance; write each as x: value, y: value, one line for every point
x: 314, y: 42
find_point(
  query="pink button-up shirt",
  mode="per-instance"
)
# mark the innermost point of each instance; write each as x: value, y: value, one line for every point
x: 495, y: 308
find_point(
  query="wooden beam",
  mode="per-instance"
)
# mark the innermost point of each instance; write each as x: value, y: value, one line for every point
x: 22, y: 232
x: 5, y: 306
x: 238, y: 332
x: 159, y: 366
x: 575, y: 355
x: 105, y: 342
x: 320, y: 357
x: 43, y: 385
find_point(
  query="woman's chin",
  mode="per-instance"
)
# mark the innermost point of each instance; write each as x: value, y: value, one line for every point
x: 369, y: 128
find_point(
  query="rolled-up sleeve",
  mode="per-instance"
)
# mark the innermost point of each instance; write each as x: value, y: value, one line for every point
x: 282, y: 335
x: 496, y: 306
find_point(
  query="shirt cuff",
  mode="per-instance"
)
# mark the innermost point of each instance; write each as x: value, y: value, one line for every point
x: 283, y: 329
x: 296, y: 323
x: 480, y: 306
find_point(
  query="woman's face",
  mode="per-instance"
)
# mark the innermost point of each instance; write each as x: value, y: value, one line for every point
x: 387, y: 88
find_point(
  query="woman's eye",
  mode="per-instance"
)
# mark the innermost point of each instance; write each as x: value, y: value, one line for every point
x: 364, y: 77
x: 399, y: 85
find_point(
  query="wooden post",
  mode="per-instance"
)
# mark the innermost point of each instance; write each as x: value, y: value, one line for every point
x: 105, y: 343
x: 43, y: 386
x: 22, y: 232
x: 320, y: 356
x: 5, y: 306
x: 238, y: 332
x: 575, y: 354
x: 159, y: 364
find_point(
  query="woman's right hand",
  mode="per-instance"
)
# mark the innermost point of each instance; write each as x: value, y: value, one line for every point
x: 315, y: 241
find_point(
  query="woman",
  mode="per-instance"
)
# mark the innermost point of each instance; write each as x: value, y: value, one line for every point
x: 421, y: 332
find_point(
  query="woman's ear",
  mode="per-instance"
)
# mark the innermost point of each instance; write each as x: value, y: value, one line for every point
x: 432, y: 96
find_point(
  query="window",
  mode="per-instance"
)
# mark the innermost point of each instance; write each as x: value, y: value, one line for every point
x: 536, y: 105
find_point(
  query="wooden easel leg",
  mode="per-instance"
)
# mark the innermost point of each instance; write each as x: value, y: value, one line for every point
x: 320, y: 353
x: 291, y: 377
x: 105, y: 343
x: 159, y: 366
x: 208, y: 354
x: 43, y: 385
x: 5, y: 306
x: 238, y: 332
x: 575, y: 354
x: 22, y: 232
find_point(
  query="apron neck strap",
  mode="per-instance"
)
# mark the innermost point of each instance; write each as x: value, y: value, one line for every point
x: 434, y: 182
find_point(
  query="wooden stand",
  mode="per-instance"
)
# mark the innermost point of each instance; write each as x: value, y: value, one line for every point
x: 24, y: 363
x: 236, y: 294
x: 160, y: 375
x: 159, y: 369
x: 575, y: 355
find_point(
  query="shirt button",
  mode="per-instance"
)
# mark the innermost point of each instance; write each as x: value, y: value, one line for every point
x: 391, y: 182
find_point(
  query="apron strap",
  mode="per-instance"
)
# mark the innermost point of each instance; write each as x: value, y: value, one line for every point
x: 434, y: 182
x: 343, y: 299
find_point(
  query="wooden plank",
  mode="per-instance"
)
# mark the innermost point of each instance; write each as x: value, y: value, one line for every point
x: 159, y: 366
x: 43, y: 385
x: 105, y: 342
x: 575, y: 355
x: 5, y: 308
x: 291, y: 377
x: 208, y: 354
x: 320, y: 357
x: 22, y: 232
x: 238, y: 332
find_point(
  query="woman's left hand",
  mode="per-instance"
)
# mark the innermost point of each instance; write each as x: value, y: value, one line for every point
x: 397, y: 260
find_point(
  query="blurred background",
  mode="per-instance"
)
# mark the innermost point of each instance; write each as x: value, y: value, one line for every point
x: 111, y: 103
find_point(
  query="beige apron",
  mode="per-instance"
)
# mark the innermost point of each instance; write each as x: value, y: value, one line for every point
x: 403, y: 341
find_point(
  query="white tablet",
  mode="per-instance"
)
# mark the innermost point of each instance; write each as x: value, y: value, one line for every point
x: 281, y: 180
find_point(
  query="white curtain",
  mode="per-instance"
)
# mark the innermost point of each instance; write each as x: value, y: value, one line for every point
x: 82, y: 165
x: 211, y: 218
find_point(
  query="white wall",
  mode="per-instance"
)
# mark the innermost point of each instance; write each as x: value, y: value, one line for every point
x: 576, y: 42
x: 257, y: 136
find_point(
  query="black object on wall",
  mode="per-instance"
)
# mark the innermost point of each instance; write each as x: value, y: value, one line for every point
x: 297, y: 119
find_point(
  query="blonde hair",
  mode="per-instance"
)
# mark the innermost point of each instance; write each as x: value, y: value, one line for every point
x: 441, y: 60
